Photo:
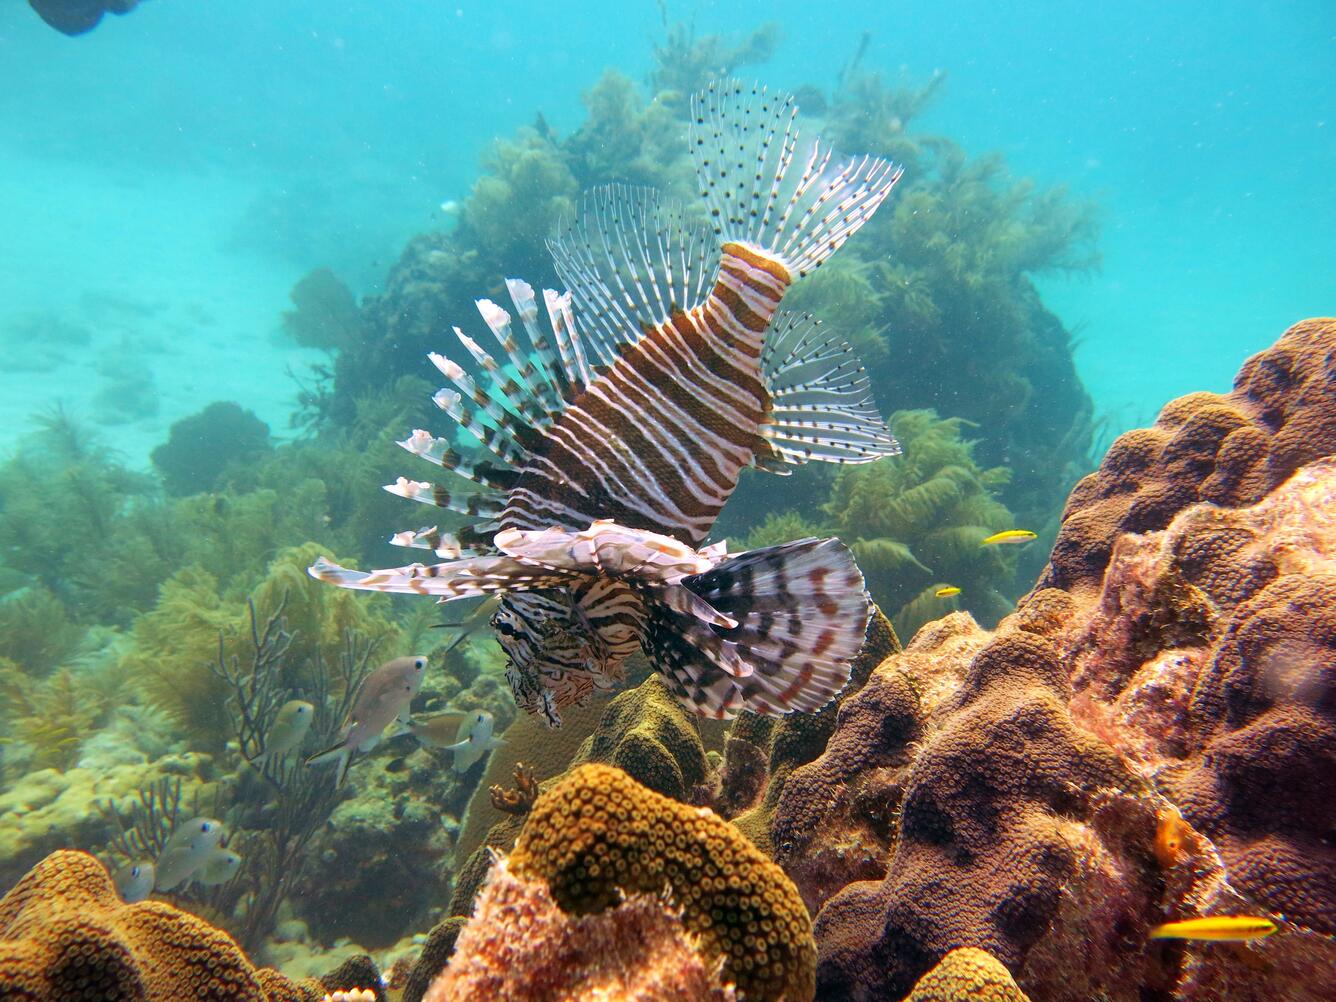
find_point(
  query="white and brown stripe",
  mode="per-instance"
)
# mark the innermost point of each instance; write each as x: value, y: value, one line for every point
x: 683, y: 409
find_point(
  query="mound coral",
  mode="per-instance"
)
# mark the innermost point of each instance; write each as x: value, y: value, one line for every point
x: 65, y: 935
x: 1210, y: 657
x: 798, y: 738
x: 520, y: 946
x: 598, y: 835
x: 982, y: 850
x: 643, y: 731
x: 1229, y: 450
x: 1150, y: 742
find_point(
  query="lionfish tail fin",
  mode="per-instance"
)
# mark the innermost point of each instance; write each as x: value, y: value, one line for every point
x: 798, y: 204
x: 802, y: 613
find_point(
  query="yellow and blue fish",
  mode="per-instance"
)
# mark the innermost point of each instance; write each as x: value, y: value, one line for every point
x: 1216, y: 928
x: 1009, y: 537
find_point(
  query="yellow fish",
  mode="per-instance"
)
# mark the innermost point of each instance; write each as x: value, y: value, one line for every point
x: 1216, y: 928
x: 947, y: 592
x: 1009, y: 537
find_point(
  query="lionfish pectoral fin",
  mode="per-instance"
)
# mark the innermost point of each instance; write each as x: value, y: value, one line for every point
x: 821, y: 405
x: 802, y: 614
x: 468, y: 578
x: 688, y: 603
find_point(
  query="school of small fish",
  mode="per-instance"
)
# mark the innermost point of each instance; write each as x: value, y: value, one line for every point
x: 192, y: 852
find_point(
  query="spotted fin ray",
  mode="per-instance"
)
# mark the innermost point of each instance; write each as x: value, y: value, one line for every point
x: 802, y: 614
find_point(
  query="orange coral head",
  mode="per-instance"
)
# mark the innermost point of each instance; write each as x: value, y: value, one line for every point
x: 1171, y: 833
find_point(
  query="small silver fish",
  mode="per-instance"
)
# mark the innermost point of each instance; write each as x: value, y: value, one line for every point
x: 289, y: 730
x: 473, y: 740
x: 438, y: 730
x: 135, y: 880
x: 219, y: 867
x: 383, y: 696
x: 203, y: 833
x: 186, y: 849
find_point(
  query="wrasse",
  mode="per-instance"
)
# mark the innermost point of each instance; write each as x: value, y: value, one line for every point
x: 949, y: 591
x: 1011, y: 537
x: 622, y: 425
x: 1216, y: 928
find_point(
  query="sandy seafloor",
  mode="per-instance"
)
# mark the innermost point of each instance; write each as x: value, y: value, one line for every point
x: 131, y: 246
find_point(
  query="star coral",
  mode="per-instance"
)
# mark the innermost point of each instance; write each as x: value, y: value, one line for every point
x: 967, y: 974
x: 66, y: 936
x: 598, y: 835
x: 1008, y: 790
x: 1229, y: 449
x: 983, y: 846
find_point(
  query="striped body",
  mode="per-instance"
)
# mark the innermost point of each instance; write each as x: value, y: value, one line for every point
x: 659, y: 440
x: 658, y: 443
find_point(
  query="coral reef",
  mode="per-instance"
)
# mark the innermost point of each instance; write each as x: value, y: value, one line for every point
x: 982, y: 851
x: 46, y: 810
x: 967, y: 974
x: 598, y: 835
x: 199, y: 448
x: 1210, y: 656
x: 800, y: 737
x: 520, y: 946
x: 1151, y: 741
x: 1229, y: 449
x: 647, y: 734
x: 65, y: 935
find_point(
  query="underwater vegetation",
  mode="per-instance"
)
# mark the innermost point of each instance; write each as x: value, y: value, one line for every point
x: 232, y: 434
x: 916, y: 523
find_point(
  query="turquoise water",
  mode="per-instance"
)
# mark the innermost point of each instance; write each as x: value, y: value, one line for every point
x: 172, y: 178
x: 170, y: 175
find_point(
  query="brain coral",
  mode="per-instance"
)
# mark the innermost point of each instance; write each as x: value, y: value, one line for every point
x: 643, y: 731
x: 521, y: 947
x: 598, y: 835
x: 65, y: 936
x: 1228, y: 449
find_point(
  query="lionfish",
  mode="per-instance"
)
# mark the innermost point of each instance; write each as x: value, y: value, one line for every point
x: 620, y: 429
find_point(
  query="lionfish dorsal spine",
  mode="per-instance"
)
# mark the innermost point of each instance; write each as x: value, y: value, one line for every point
x: 744, y: 141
